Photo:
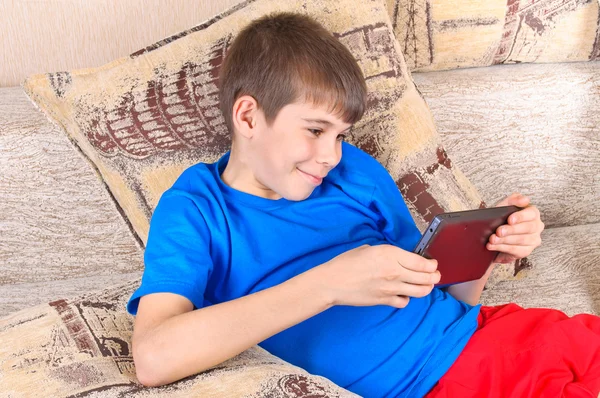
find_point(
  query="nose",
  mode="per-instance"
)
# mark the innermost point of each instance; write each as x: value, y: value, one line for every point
x: 329, y: 152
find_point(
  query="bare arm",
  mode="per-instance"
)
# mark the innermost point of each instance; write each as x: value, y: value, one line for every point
x: 470, y: 292
x: 170, y: 341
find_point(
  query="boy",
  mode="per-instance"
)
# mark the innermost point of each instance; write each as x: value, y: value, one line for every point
x: 288, y: 244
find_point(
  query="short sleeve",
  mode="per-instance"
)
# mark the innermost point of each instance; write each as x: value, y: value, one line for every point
x: 396, y: 223
x: 177, y: 256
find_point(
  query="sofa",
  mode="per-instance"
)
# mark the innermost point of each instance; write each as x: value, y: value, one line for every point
x: 72, y: 253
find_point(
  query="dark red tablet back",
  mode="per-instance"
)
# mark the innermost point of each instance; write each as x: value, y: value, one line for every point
x: 457, y: 240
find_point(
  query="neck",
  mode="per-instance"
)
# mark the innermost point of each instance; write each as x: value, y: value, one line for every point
x: 239, y: 176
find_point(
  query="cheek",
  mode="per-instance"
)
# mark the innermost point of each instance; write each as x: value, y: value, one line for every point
x: 280, y: 157
x: 301, y: 150
x: 288, y: 150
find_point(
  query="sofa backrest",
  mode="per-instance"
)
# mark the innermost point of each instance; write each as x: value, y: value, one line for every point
x: 52, y: 36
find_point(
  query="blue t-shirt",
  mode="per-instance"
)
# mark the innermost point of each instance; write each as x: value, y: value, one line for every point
x: 212, y: 243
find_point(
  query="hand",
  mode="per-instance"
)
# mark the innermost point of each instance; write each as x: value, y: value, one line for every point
x: 521, y: 235
x: 383, y: 274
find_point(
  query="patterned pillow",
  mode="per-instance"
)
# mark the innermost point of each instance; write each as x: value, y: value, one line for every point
x: 438, y: 34
x: 142, y: 119
x: 82, y: 347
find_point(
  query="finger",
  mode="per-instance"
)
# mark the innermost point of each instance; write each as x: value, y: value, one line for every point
x: 524, y: 228
x: 533, y: 240
x: 418, y: 263
x: 418, y: 278
x: 504, y: 201
x: 398, y: 288
x: 513, y: 250
x: 504, y: 258
x: 396, y: 301
x: 515, y: 199
x: 530, y: 213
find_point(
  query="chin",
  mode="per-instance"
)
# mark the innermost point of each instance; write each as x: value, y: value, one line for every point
x: 297, y: 196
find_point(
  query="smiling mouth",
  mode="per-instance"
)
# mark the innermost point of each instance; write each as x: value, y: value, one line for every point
x: 311, y: 178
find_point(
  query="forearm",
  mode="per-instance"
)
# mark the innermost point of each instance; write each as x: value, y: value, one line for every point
x: 195, y: 341
x: 470, y: 292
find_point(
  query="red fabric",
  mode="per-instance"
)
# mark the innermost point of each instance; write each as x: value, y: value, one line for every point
x: 534, y: 352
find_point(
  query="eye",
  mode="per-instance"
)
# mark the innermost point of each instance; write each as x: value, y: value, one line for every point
x: 318, y: 132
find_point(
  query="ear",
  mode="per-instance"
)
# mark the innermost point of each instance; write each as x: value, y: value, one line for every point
x: 245, y: 115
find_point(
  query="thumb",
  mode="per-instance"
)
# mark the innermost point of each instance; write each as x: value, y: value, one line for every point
x: 516, y: 199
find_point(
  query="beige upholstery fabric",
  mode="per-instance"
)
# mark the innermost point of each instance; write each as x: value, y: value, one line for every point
x: 565, y: 275
x: 441, y: 34
x: 20, y: 295
x: 529, y: 128
x: 142, y: 119
x: 432, y: 33
x: 57, y: 219
x: 50, y: 36
x: 82, y: 348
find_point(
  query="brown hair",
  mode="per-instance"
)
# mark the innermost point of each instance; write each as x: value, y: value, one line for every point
x: 283, y: 58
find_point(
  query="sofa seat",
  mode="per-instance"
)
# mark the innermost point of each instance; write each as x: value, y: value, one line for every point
x: 565, y: 277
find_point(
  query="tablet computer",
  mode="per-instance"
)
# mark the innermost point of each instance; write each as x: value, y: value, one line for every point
x: 457, y: 240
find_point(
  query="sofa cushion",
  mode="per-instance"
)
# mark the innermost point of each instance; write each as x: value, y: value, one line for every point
x: 144, y: 118
x: 531, y: 128
x: 438, y: 34
x: 53, y: 209
x: 82, y: 347
x: 565, y: 276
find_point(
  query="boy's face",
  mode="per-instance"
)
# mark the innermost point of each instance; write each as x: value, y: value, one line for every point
x: 291, y: 157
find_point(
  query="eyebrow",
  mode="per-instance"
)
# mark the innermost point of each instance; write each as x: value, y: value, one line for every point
x: 324, y: 122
